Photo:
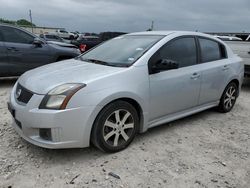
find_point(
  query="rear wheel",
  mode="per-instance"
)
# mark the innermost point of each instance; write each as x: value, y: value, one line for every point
x: 115, y: 127
x: 228, y: 98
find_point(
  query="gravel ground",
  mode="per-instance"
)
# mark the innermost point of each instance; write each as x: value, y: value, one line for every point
x: 208, y: 149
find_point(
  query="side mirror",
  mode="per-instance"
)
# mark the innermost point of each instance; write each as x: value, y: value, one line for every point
x: 38, y: 42
x: 164, y: 64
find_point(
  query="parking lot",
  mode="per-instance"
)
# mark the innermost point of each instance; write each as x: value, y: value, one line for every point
x: 208, y: 149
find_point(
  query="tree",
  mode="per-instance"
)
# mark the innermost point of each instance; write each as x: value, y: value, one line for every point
x: 21, y: 22
x: 24, y: 22
x: 7, y: 21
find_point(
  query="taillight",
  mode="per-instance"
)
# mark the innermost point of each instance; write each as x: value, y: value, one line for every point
x: 83, y: 47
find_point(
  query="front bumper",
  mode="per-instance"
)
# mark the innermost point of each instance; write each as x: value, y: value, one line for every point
x: 69, y: 128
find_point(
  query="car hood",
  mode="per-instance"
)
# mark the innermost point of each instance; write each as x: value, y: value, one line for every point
x: 62, y: 44
x: 41, y: 80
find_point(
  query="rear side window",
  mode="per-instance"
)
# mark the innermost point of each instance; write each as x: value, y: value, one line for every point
x: 211, y: 50
x: 182, y: 50
x: 16, y: 36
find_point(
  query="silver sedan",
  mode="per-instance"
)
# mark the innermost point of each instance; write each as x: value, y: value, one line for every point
x: 123, y: 87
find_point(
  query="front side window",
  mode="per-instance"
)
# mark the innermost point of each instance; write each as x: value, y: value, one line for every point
x: 211, y: 50
x: 182, y: 51
x: 16, y: 36
x: 121, y: 51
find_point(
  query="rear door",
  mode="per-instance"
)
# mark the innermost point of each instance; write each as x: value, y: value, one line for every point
x: 215, y: 69
x: 4, y: 63
x: 23, y: 55
x: 175, y: 90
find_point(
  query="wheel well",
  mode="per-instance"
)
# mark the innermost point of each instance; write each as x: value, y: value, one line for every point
x: 60, y: 58
x: 137, y: 107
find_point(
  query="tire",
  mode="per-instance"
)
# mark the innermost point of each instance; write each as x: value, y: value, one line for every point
x: 228, y: 98
x: 115, y: 127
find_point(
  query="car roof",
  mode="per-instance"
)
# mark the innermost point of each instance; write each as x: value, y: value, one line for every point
x: 165, y: 33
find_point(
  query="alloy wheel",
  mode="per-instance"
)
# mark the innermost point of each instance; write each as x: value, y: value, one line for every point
x: 230, y: 97
x: 118, y: 128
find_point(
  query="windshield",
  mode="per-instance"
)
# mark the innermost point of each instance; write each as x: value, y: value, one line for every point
x: 121, y: 51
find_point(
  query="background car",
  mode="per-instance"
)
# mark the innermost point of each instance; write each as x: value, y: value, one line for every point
x: 87, y: 42
x: 123, y: 87
x: 242, y: 48
x: 228, y: 38
x: 65, y: 34
x: 21, y: 51
x: 53, y: 37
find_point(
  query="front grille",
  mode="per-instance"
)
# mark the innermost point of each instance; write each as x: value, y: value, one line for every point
x: 22, y: 94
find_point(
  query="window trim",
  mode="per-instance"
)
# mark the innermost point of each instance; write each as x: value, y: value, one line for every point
x: 220, y: 47
x: 171, y: 41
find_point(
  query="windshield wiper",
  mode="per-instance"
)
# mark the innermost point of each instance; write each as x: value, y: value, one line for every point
x: 96, y: 61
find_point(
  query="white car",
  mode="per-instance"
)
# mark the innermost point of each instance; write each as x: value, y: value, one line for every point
x: 65, y: 34
x: 125, y: 86
x: 228, y: 38
x: 243, y: 50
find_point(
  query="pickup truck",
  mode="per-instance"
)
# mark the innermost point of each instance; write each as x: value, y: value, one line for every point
x: 242, y: 49
x: 64, y: 34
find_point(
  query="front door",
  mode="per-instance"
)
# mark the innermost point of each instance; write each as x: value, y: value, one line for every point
x: 175, y: 90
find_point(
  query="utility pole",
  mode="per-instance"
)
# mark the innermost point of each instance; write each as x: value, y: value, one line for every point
x: 31, y: 20
x: 152, y: 26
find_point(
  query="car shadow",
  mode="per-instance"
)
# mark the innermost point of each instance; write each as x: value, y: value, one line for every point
x: 6, y: 82
x: 246, y: 85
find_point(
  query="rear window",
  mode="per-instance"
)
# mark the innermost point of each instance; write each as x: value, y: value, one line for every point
x: 211, y: 50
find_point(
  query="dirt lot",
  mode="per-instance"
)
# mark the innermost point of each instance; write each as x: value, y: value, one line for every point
x: 205, y: 150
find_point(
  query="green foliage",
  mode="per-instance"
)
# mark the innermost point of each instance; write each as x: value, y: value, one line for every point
x: 7, y: 21
x: 21, y: 22
x: 24, y: 22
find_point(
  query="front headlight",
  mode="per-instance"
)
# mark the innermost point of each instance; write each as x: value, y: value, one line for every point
x: 58, y: 98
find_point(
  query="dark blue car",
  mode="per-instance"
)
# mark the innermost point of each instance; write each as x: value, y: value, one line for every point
x: 21, y: 51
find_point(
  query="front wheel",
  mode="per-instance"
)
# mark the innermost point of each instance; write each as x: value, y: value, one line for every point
x: 115, y: 127
x: 228, y: 98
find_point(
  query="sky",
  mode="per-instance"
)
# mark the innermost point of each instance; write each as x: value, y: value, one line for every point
x: 133, y: 15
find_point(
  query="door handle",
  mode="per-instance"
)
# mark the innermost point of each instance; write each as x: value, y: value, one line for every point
x: 225, y: 67
x: 13, y: 49
x: 195, y: 75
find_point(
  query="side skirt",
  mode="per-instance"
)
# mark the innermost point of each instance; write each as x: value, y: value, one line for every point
x: 182, y: 114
